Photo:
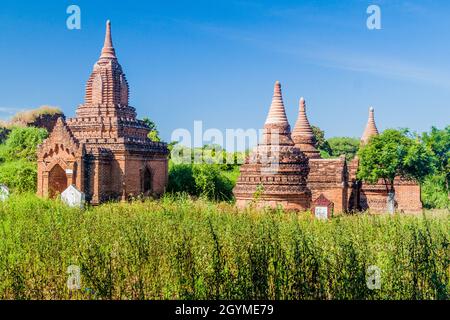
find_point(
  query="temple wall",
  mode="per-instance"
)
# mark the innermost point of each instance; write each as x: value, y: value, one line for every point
x: 373, y: 197
x: 407, y: 196
x: 328, y: 177
x: 160, y: 177
x: 134, y: 174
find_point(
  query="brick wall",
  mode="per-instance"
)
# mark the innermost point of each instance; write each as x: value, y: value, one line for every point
x: 329, y: 177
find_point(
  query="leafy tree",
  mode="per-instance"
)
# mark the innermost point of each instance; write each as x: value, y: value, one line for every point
x: 392, y: 154
x: 22, y: 144
x: 154, y: 133
x: 344, y: 146
x: 321, y: 143
x: 439, y: 143
x: 434, y: 192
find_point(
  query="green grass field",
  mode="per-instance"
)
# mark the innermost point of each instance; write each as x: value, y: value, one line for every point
x: 177, y: 248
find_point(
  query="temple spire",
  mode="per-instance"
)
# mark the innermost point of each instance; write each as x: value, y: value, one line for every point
x: 303, y: 135
x: 371, y: 127
x: 302, y: 126
x: 277, y: 113
x: 277, y: 130
x: 108, y: 51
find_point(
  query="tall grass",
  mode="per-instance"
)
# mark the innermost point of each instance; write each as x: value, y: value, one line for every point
x: 176, y: 248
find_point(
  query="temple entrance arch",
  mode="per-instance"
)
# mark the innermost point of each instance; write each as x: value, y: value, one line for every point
x: 146, y: 181
x: 57, y: 181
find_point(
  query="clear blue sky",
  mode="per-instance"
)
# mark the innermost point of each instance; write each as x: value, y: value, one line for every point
x: 217, y: 61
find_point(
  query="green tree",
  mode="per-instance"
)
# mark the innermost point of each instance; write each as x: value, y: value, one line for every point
x: 392, y: 154
x: 344, y: 146
x: 154, y: 133
x: 439, y: 143
x: 321, y: 143
x: 22, y: 144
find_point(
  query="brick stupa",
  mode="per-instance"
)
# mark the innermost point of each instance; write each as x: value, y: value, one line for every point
x: 104, y: 151
x: 371, y: 127
x: 275, y: 172
x: 303, y: 135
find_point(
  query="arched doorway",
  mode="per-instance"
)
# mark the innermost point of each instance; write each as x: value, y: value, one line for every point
x: 57, y: 181
x: 147, y: 181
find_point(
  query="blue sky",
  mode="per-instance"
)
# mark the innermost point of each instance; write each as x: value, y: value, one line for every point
x: 217, y: 61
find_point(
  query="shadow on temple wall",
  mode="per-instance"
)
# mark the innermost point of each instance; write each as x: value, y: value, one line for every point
x: 117, y: 184
x: 363, y: 203
x: 354, y: 199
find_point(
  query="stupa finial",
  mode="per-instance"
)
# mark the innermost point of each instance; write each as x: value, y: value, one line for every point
x: 277, y: 112
x: 108, y: 51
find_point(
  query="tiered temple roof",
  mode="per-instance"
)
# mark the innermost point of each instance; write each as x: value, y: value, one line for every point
x: 106, y: 117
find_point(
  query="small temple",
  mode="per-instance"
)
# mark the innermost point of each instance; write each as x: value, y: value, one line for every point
x: 104, y: 150
x: 303, y: 177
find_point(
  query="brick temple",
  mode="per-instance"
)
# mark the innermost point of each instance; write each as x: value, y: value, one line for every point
x: 302, y: 177
x: 104, y: 150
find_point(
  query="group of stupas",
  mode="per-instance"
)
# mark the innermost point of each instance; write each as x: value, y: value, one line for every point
x: 286, y: 170
x: 105, y: 153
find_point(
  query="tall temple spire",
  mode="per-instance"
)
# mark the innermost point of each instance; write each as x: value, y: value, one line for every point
x: 108, y: 51
x: 277, y: 113
x: 277, y: 130
x: 107, y: 86
x: 303, y: 135
x: 371, y: 127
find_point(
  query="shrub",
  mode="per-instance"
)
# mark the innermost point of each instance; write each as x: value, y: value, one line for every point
x: 22, y: 143
x: 200, y: 180
x: 181, y: 179
x: 210, y: 182
x: 19, y: 175
x: 434, y: 192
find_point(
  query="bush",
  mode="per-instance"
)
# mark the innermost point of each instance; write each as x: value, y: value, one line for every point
x: 181, y: 179
x: 435, y: 193
x: 19, y: 175
x: 22, y: 143
x: 211, y: 183
x: 200, y: 180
